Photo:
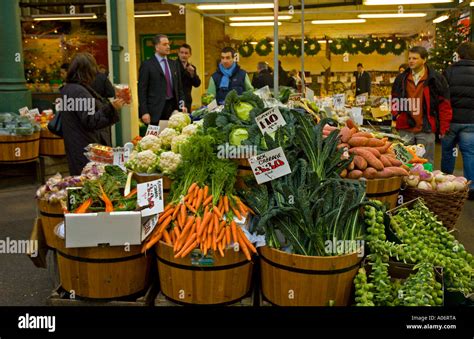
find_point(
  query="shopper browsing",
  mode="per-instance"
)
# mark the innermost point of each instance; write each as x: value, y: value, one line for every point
x: 263, y: 77
x: 229, y: 76
x: 189, y: 76
x: 460, y: 78
x: 420, y: 102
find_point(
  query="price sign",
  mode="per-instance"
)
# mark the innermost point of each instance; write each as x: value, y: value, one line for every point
x: 339, y: 100
x: 270, y: 165
x: 121, y: 155
x: 149, y: 226
x: 153, y: 130
x: 270, y: 121
x: 212, y: 105
x: 402, y: 153
x: 309, y: 94
x: 361, y: 100
x: 24, y: 111
x: 150, y: 196
x: 356, y: 115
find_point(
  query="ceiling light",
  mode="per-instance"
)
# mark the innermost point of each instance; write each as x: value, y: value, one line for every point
x: 441, y: 19
x: 50, y: 17
x: 262, y: 23
x: 341, y: 21
x: 324, y: 41
x: 391, y: 15
x: 151, y: 14
x: 259, y: 18
x: 472, y: 4
x: 253, y: 43
x: 404, y: 2
x: 235, y: 6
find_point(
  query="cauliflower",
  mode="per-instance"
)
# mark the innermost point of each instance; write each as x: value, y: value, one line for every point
x: 190, y: 129
x: 169, y: 162
x: 177, y: 142
x: 150, y: 142
x: 167, y: 136
x: 143, y: 162
x: 179, y: 120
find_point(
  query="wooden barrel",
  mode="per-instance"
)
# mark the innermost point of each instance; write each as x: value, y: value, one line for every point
x: 51, y: 215
x: 104, y: 272
x: 297, y: 280
x: 167, y: 182
x: 385, y: 190
x: 243, y: 171
x: 214, y: 280
x: 19, y: 148
x: 50, y: 144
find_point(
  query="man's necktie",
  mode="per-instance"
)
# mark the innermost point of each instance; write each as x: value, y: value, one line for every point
x: 169, y: 91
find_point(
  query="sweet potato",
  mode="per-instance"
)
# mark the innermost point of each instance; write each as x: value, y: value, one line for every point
x: 385, y: 161
x: 351, y: 166
x: 369, y: 173
x: 329, y: 128
x: 374, y: 142
x: 342, y: 145
x: 355, y: 174
x: 363, y: 134
x: 385, y: 173
x: 345, y: 134
x: 360, y: 162
x: 384, y: 149
x: 395, y: 162
x: 343, y: 173
x: 369, y: 157
x: 398, y: 171
x: 351, y: 124
x: 358, y: 141
x: 370, y: 149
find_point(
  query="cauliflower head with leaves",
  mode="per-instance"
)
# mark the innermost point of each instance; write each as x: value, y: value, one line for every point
x: 177, y: 142
x: 150, y: 142
x: 143, y: 162
x: 167, y: 136
x: 190, y: 129
x: 178, y: 121
x: 169, y: 162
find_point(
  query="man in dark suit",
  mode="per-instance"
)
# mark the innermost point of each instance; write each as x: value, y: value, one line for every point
x: 363, y: 81
x: 263, y: 77
x: 189, y: 76
x: 160, y: 90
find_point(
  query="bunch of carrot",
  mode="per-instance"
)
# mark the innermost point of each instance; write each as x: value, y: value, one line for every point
x: 196, y: 222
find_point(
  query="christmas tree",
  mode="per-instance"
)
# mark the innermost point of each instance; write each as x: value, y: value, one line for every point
x: 449, y: 35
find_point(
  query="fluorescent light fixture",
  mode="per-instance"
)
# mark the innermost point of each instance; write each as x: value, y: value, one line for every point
x: 440, y: 19
x: 259, y: 18
x: 340, y: 21
x: 249, y: 24
x: 253, y: 43
x: 471, y: 4
x: 51, y: 17
x: 235, y: 6
x: 324, y: 41
x: 151, y: 14
x: 391, y: 15
x: 404, y: 2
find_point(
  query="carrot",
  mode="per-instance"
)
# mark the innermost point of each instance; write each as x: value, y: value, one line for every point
x: 84, y: 206
x: 227, y: 234
x: 189, y: 249
x: 182, y: 215
x: 205, y: 193
x: 221, y: 235
x: 216, y: 223
x: 187, y: 228
x: 210, y: 228
x: 226, y: 204
x: 351, y: 166
x: 172, y: 236
x: 248, y: 209
x: 247, y: 241
x: 209, y: 241
x: 343, y: 173
x: 218, y: 212
x: 205, y: 221
x: 168, y: 207
x: 220, y: 205
x: 175, y: 213
x: 221, y: 249
x: 191, y: 208
x: 214, y: 242
x: 189, y: 241
x: 233, y: 228
x: 199, y: 198
x: 166, y: 236
x: 192, y: 187
x: 151, y: 242
x: 205, y: 248
x: 198, y: 226
x: 342, y: 145
x: 164, y: 224
x: 131, y: 194
x: 243, y: 247
x: 177, y: 232
x: 164, y: 215
x: 236, y: 212
x: 207, y: 201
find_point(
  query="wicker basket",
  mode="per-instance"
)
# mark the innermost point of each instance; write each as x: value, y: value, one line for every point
x: 446, y: 206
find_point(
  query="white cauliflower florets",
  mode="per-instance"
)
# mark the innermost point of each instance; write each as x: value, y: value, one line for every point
x: 179, y: 120
x: 144, y: 162
x: 177, y: 142
x: 150, y: 142
x: 190, y: 129
x: 169, y: 162
x: 167, y: 136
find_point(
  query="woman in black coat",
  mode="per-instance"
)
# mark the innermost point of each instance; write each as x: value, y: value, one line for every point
x: 84, y: 112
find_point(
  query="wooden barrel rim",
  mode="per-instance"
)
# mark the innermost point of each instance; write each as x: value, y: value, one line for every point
x: 382, y: 194
x: 18, y: 161
x: 19, y: 141
x: 51, y: 215
x: 127, y: 296
x: 203, y: 268
x: 97, y: 261
x: 306, y: 271
x: 225, y: 303
x: 51, y: 138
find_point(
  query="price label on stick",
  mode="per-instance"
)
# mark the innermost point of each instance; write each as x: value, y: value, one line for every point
x: 270, y: 165
x: 153, y: 130
x: 270, y: 121
x: 212, y: 105
x: 402, y: 154
x: 339, y: 100
x: 150, y: 197
x: 121, y: 155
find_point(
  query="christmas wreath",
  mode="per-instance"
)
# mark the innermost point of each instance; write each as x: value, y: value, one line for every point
x: 399, y: 46
x: 246, y: 49
x: 353, y: 46
x: 338, y: 46
x: 264, y: 47
x: 295, y: 47
x: 311, y: 47
x: 367, y: 46
x: 284, y: 47
x: 384, y: 47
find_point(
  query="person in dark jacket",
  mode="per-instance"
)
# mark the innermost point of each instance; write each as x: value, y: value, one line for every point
x: 283, y: 79
x: 160, y: 91
x: 83, y: 112
x: 229, y: 76
x: 263, y: 77
x: 460, y: 77
x: 189, y: 76
x: 363, y: 81
x: 105, y: 89
x: 420, y: 103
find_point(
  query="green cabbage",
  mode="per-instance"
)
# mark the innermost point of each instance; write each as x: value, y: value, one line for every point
x: 237, y: 136
x: 242, y: 110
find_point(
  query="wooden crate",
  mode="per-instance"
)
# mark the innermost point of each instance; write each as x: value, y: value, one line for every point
x: 161, y: 300
x: 60, y: 297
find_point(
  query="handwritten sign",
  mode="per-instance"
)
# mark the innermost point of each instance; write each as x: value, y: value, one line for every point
x: 309, y: 94
x: 361, y: 100
x: 150, y: 195
x: 24, y: 111
x: 270, y: 165
x: 270, y: 121
x: 121, y: 155
x: 338, y: 101
x: 212, y: 105
x: 402, y: 153
x: 152, y: 130
x: 149, y: 226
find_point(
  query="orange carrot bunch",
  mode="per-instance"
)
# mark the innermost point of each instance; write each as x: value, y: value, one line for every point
x: 196, y: 222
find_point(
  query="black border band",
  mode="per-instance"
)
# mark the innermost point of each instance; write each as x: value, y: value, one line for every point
x: 382, y: 194
x: 19, y: 141
x: 51, y: 215
x: 203, y: 268
x: 99, y: 261
x: 225, y: 303
x: 18, y: 161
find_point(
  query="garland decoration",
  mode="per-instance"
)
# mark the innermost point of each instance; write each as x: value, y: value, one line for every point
x: 264, y: 47
x: 399, y: 46
x: 338, y: 46
x: 311, y: 47
x: 284, y: 47
x: 246, y: 49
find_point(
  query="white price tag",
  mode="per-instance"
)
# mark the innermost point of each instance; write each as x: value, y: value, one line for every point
x: 327, y: 102
x: 270, y: 165
x: 361, y: 100
x: 150, y: 195
x: 153, y: 130
x: 34, y: 112
x: 149, y: 226
x: 356, y: 114
x: 212, y: 105
x: 24, y: 111
x: 309, y: 94
x: 339, y: 100
x: 270, y: 121
x: 121, y: 155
